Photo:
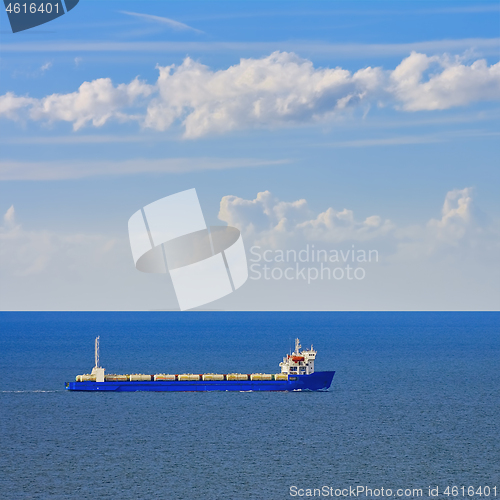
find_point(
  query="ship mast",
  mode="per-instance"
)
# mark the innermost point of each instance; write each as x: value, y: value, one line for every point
x: 297, y: 346
x: 97, y: 351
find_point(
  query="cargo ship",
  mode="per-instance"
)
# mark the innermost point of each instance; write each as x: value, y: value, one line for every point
x: 297, y: 374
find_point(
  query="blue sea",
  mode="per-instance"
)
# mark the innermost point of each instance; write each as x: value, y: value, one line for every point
x: 415, y: 403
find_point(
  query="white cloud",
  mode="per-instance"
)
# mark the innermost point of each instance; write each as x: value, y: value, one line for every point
x: 275, y: 90
x: 279, y: 90
x: 96, y: 101
x: 9, y: 217
x: 45, y: 67
x: 459, y: 218
x: 269, y: 222
x: 340, y: 226
x: 463, y: 230
x: 457, y: 215
x: 452, y: 84
x: 11, y: 106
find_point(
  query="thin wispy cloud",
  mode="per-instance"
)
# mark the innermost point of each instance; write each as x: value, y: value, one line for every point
x: 80, y: 139
x: 467, y: 9
x: 171, y: 23
x: 409, y: 139
x: 470, y: 9
x: 59, y: 170
x: 482, y: 46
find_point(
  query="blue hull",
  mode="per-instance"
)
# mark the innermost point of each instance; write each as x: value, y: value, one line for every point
x: 314, y: 382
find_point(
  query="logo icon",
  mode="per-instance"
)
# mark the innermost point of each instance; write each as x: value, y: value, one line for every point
x: 26, y: 15
x: 205, y: 263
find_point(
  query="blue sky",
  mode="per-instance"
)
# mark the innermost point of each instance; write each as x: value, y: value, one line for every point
x: 389, y: 150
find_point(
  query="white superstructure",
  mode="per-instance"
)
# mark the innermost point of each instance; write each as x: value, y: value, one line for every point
x: 299, y: 362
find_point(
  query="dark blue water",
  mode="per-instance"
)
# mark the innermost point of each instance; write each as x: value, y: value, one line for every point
x: 415, y: 402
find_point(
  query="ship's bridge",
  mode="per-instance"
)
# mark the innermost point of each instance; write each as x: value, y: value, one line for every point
x: 299, y: 362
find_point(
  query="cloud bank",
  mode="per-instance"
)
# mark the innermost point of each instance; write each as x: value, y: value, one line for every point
x: 268, y: 222
x: 279, y: 90
x: 31, y: 252
x: 447, y: 262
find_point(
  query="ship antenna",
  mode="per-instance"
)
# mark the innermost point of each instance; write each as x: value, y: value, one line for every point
x: 97, y: 351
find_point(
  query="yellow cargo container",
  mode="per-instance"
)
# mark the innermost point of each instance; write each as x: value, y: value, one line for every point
x: 116, y: 378
x: 188, y: 376
x: 212, y: 376
x: 237, y: 376
x: 281, y: 376
x: 85, y: 378
x: 261, y: 376
x: 164, y: 376
x: 139, y: 377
